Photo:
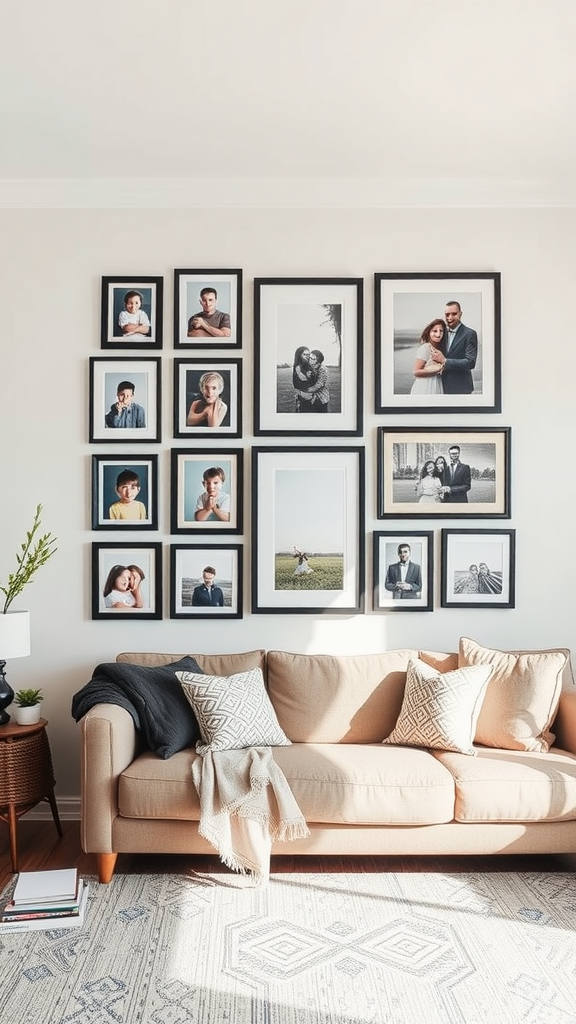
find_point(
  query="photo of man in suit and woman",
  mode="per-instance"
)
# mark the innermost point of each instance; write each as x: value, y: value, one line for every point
x: 440, y: 354
x: 440, y: 474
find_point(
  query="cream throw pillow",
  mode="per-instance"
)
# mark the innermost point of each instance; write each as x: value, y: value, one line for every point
x: 440, y: 709
x: 232, y: 711
x: 522, y: 696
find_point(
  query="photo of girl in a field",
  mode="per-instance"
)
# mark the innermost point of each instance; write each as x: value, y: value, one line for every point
x: 310, y: 504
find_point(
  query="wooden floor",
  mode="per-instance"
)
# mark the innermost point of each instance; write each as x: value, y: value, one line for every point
x: 40, y: 848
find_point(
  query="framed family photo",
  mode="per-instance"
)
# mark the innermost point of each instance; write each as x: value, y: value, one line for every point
x: 131, y: 312
x: 308, y: 377
x: 403, y: 571
x: 127, y: 581
x: 206, y: 490
x: 207, y: 309
x: 125, y: 398
x: 205, y: 582
x: 452, y: 472
x: 437, y: 342
x: 207, y: 398
x: 124, y: 492
x: 478, y: 568
x: 308, y: 530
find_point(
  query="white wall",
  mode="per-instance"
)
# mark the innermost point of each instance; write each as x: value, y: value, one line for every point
x: 51, y: 267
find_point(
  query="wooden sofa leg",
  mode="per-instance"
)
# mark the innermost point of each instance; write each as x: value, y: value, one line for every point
x: 106, y: 864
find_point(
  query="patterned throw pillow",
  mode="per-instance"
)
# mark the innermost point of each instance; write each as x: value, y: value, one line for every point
x: 232, y: 711
x: 440, y: 710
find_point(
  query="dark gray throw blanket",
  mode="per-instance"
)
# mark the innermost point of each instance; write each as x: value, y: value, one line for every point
x: 153, y: 697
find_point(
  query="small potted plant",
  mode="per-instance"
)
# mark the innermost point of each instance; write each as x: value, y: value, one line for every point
x: 27, y: 709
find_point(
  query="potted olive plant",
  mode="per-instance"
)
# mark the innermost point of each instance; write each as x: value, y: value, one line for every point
x: 34, y: 552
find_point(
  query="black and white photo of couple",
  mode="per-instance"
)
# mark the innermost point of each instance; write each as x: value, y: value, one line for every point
x: 442, y: 480
x: 446, y: 356
x: 309, y: 375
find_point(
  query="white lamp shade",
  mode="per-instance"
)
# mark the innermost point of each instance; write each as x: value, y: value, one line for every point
x: 14, y: 635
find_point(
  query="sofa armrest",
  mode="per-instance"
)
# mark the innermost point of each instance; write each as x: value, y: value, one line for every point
x: 564, y: 727
x: 109, y: 743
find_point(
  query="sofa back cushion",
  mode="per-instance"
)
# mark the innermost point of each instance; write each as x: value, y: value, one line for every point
x: 212, y: 664
x: 323, y: 698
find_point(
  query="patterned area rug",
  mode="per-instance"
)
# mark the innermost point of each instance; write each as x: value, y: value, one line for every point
x: 368, y: 948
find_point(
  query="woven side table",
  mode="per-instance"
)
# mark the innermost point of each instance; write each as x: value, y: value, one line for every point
x: 26, y: 776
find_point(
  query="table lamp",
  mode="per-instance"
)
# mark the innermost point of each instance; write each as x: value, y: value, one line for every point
x: 14, y: 643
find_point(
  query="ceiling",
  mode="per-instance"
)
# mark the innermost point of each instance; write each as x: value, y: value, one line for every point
x: 411, y: 97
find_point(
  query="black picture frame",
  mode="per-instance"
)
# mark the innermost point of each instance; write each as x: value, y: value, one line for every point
x: 115, y: 292
x: 478, y: 568
x: 390, y: 594
x: 188, y: 381
x: 191, y: 559
x: 311, y: 496
x: 188, y: 484
x: 404, y: 304
x: 106, y: 376
x: 188, y: 288
x: 132, y: 511
x: 404, y: 451
x: 327, y: 312
x: 106, y: 558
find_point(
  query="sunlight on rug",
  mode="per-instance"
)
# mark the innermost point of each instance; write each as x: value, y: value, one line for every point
x: 370, y: 948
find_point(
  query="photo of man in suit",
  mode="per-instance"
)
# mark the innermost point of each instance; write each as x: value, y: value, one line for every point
x: 404, y: 577
x: 457, y: 479
x: 459, y: 350
x: 207, y: 594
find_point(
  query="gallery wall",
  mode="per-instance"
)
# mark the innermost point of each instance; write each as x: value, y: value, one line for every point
x: 52, y: 263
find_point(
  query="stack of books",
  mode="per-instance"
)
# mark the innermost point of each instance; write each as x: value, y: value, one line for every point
x: 44, y: 900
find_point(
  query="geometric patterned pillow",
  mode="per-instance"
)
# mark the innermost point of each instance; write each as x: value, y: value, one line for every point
x: 232, y: 711
x: 440, y: 710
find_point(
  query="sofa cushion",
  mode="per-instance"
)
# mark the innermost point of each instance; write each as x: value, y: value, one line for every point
x: 513, y: 785
x: 323, y: 698
x: 213, y: 664
x: 332, y: 783
x: 150, y: 788
x: 440, y: 709
x: 522, y: 696
x: 367, y: 784
x: 232, y: 711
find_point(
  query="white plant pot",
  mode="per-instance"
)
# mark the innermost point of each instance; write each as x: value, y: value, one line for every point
x: 27, y: 716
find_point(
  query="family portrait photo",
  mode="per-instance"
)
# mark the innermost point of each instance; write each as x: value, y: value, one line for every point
x: 131, y: 313
x: 127, y: 581
x: 207, y: 397
x: 207, y: 308
x: 206, y: 491
x: 124, y: 492
x: 308, y: 359
x: 449, y: 472
x: 125, y: 399
x: 437, y: 342
x: 403, y: 571
x: 206, y: 582
x: 478, y: 568
x: 307, y: 538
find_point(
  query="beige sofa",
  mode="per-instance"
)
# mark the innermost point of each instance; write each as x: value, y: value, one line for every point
x: 358, y: 795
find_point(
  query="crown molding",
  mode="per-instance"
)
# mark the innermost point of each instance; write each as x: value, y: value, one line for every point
x: 286, y: 193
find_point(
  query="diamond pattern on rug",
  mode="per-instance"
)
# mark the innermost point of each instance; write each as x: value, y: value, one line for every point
x: 369, y: 948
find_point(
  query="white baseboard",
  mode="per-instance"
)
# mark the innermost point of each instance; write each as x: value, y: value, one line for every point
x: 68, y: 809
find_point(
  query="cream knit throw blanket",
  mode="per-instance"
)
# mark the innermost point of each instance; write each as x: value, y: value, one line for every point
x: 245, y: 804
